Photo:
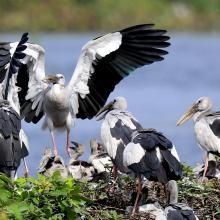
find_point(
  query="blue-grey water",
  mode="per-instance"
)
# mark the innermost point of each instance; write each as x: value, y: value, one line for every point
x: 157, y: 94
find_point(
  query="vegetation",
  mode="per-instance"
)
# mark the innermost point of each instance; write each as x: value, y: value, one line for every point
x: 84, y: 15
x: 55, y: 198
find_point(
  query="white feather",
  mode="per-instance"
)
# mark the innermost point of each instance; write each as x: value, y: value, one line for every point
x: 133, y: 153
x: 99, y: 47
x: 23, y: 139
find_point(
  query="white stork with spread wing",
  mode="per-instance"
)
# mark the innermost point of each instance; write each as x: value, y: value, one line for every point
x: 102, y: 64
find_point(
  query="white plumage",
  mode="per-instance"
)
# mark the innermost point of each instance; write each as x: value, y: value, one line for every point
x: 133, y: 153
x: 149, y: 154
x: 99, y: 158
x: 206, y: 126
x: 116, y: 130
x: 102, y: 64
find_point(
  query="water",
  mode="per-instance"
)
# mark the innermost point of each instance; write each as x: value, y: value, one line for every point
x: 157, y: 94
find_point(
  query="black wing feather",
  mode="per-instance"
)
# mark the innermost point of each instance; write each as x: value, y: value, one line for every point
x: 140, y: 46
x: 14, y: 61
x: 150, y: 166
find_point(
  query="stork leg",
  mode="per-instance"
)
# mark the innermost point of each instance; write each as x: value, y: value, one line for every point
x: 114, y: 173
x: 26, y: 170
x: 68, y: 144
x: 138, y: 189
x: 54, y: 144
x: 206, y: 166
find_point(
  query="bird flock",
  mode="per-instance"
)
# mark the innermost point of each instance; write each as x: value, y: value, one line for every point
x: 129, y: 148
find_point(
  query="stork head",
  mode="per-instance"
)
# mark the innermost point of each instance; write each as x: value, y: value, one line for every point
x: 77, y: 150
x: 202, y: 105
x: 118, y: 103
x: 54, y: 79
x: 96, y: 147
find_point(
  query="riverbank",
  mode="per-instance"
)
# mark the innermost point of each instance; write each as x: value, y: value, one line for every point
x: 96, y: 15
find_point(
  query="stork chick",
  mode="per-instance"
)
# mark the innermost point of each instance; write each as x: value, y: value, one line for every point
x: 79, y: 169
x: 99, y: 158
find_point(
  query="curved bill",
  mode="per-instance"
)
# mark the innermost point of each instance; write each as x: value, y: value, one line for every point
x: 104, y: 110
x: 188, y: 114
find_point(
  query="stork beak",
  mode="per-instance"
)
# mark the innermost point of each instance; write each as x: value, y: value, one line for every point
x: 50, y: 79
x: 188, y: 114
x: 105, y: 109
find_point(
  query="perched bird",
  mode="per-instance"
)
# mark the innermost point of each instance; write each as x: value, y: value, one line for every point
x: 175, y: 210
x: 103, y: 63
x: 13, y: 141
x: 154, y: 209
x: 99, y: 158
x: 116, y: 130
x: 213, y: 170
x: 79, y: 169
x: 45, y: 161
x: 152, y: 155
x: 50, y: 164
x: 206, y: 127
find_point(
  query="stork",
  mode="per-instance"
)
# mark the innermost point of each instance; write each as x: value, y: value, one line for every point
x: 50, y: 164
x: 152, y: 155
x: 103, y: 63
x: 175, y: 210
x: 79, y: 169
x: 99, y: 158
x: 206, y: 127
x: 116, y: 129
x: 13, y: 144
x: 13, y: 141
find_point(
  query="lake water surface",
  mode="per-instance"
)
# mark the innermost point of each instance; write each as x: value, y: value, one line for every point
x: 157, y: 94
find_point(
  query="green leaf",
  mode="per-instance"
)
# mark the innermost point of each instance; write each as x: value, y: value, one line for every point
x: 58, y: 193
x: 15, y: 211
x: 5, y: 196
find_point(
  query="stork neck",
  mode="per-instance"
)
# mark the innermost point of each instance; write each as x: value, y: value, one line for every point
x: 75, y: 156
x: 198, y: 115
x: 173, y: 192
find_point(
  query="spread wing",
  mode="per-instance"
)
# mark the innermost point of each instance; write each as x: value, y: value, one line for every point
x: 29, y: 79
x: 21, y: 73
x: 106, y: 60
x: 11, y: 55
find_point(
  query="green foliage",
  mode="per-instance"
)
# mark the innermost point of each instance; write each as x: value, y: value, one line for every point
x: 204, y: 198
x: 57, y: 199
x: 42, y: 198
x: 72, y: 15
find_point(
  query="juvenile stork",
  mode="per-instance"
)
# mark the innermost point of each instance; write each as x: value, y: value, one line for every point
x: 99, y: 158
x: 103, y: 63
x: 116, y: 130
x: 79, y: 169
x: 206, y: 127
x: 152, y: 155
x: 175, y: 210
